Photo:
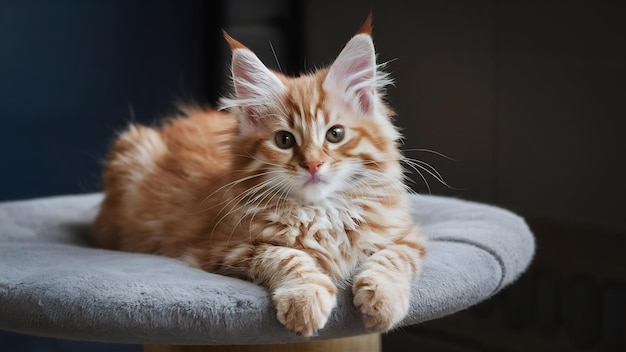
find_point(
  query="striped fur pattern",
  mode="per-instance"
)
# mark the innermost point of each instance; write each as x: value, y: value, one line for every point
x: 296, y: 185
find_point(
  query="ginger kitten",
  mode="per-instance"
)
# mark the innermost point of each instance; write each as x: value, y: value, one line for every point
x: 298, y: 187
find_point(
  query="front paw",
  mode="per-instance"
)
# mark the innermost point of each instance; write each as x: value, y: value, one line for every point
x: 382, y: 301
x: 304, y: 309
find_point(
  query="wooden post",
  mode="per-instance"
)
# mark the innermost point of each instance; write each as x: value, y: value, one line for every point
x: 363, y: 343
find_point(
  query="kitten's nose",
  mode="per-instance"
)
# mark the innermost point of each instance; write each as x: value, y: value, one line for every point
x: 312, y: 166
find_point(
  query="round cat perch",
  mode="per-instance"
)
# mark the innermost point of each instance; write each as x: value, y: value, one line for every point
x: 54, y: 284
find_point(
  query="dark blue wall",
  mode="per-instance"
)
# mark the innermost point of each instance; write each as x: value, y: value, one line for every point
x: 73, y: 72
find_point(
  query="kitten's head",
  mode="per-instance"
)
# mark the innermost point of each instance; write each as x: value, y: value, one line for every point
x: 316, y: 136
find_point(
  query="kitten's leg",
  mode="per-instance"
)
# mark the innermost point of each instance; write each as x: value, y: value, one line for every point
x: 382, y: 289
x: 303, y: 296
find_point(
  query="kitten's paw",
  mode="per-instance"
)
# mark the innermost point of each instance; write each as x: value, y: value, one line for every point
x: 383, y: 302
x: 304, y: 309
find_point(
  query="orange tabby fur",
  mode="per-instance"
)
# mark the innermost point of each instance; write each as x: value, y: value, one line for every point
x: 214, y: 189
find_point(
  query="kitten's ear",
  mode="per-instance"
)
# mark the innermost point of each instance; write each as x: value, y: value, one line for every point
x: 256, y: 87
x: 353, y: 74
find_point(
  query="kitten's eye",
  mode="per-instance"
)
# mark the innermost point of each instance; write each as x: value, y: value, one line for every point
x: 335, y: 134
x: 284, y: 140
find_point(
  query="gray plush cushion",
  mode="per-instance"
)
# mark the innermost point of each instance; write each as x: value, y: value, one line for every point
x: 53, y: 283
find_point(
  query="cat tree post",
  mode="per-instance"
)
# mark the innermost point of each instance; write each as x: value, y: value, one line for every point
x: 362, y: 343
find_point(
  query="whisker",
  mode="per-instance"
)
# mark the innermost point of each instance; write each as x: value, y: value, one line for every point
x: 413, y: 163
x: 280, y: 69
x: 257, y: 201
x: 237, y: 199
x: 423, y: 178
x: 418, y: 166
x: 428, y: 151
x: 230, y: 186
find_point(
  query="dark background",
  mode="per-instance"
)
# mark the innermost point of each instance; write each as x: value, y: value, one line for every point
x: 527, y: 97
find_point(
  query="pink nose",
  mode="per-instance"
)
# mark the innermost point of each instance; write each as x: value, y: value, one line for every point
x: 312, y: 166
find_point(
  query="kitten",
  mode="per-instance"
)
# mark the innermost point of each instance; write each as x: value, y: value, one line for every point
x: 298, y: 187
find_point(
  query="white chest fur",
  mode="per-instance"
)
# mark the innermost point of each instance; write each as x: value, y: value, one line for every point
x: 321, y: 229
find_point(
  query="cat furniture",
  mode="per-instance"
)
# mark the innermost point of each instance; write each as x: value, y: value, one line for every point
x: 54, y: 283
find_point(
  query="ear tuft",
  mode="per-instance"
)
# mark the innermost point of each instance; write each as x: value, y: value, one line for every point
x: 366, y: 27
x: 232, y: 42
